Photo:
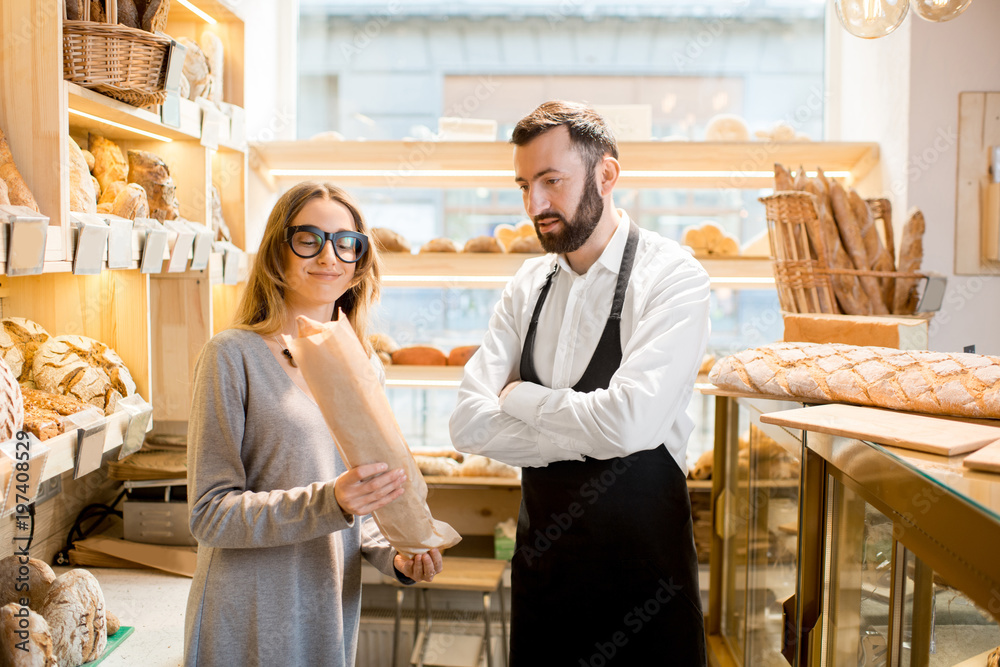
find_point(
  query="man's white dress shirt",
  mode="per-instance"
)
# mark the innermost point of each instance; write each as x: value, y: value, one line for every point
x: 664, y: 331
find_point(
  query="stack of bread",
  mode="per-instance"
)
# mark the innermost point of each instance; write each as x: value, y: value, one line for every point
x: 56, y: 376
x: 140, y: 187
x: 711, y: 240
x: 67, y: 622
x: 845, y: 236
x: 425, y: 355
x: 148, y: 15
x: 449, y: 463
x: 13, y: 190
x: 505, y: 238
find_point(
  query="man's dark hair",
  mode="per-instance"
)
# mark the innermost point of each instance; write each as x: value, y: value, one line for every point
x: 588, y: 131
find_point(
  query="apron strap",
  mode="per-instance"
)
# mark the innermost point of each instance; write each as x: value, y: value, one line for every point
x: 527, y: 365
x: 624, y: 272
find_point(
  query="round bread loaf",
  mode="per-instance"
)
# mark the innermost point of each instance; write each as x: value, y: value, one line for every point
x: 26, y: 337
x: 390, y: 241
x: 506, y: 234
x: 40, y: 578
x: 483, y: 244
x: 419, y: 355
x: 727, y: 127
x: 439, y: 245
x: 74, y: 608
x: 11, y: 404
x: 526, y: 244
x: 459, y: 356
x: 111, y: 192
x: 40, y: 651
x: 83, y: 368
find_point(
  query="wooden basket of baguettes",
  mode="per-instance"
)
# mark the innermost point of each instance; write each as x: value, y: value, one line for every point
x: 828, y: 255
x: 112, y: 47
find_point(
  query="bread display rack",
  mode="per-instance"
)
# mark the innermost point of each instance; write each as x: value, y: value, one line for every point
x: 156, y: 322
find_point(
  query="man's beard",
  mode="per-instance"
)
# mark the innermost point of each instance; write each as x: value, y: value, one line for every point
x: 573, y: 235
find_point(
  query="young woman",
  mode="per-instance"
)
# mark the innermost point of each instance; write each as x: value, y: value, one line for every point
x: 280, y: 521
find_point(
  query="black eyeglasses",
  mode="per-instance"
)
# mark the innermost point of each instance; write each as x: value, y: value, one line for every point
x: 307, y: 241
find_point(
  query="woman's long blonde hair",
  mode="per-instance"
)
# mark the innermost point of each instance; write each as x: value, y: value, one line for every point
x: 262, y: 306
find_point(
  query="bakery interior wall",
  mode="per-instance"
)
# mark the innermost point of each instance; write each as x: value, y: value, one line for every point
x: 902, y: 91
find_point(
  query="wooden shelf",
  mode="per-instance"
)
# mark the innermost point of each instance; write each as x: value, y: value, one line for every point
x: 645, y: 164
x: 494, y: 270
x: 477, y: 482
x: 87, y: 101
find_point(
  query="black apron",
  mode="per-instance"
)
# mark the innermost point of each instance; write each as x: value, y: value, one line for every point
x: 605, y: 571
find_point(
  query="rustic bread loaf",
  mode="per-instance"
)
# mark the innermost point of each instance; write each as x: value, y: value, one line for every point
x: 211, y: 46
x: 131, y: 202
x: 526, y: 244
x: 37, y: 650
x: 4, y: 194
x: 707, y: 361
x: 439, y: 245
x: 109, y: 163
x: 782, y: 178
x: 128, y: 14
x: 74, y: 608
x: 911, y: 253
x: 446, y: 453
x: 419, y: 355
x: 89, y: 158
x: 460, y: 356
x: 437, y: 466
x: 39, y: 578
x: 854, y: 243
x: 82, y: 197
x: 879, y: 257
x: 17, y: 190
x: 43, y: 412
x: 97, y: 11
x: 83, y: 368
x: 11, y: 404
x: 993, y: 659
x: 97, y: 189
x: 105, y: 208
x: 154, y: 18
x: 481, y: 466
x: 482, y: 244
x: 27, y: 336
x: 74, y: 10
x: 151, y: 172
x: 963, y: 385
x: 389, y: 241
x: 111, y: 192
x: 195, y: 68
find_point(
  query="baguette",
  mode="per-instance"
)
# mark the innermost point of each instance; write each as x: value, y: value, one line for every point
x: 17, y: 190
x: 782, y: 179
x: 880, y: 258
x: 854, y: 243
x: 961, y: 385
x: 911, y: 253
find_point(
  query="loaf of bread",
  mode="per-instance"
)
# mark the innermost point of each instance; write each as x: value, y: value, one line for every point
x: 195, y: 68
x: 506, y: 234
x: 458, y: 457
x: 97, y: 11
x: 154, y: 18
x: 482, y: 244
x: 17, y: 651
x: 460, y: 356
x: 993, y: 659
x: 389, y: 241
x: 114, y: 625
x: 703, y: 466
x: 526, y: 244
x: 39, y: 579
x: 105, y: 208
x: 384, y: 346
x: 83, y: 368
x: 962, y: 385
x: 82, y: 197
x: 419, y: 355
x: 43, y: 411
x: 109, y: 163
x: 481, y: 466
x: 782, y: 178
x: 26, y: 336
x: 436, y: 466
x: 74, y: 609
x: 219, y: 225
x: 11, y: 404
x: 111, y: 192
x: 74, y: 10
x: 211, y: 46
x: 151, y: 172
x: 97, y: 189
x: 439, y: 245
x: 128, y: 14
x: 4, y: 195
x: 911, y: 253
x: 710, y: 239
x: 89, y: 159
x: 854, y: 243
x: 17, y: 190
x: 707, y: 361
x: 727, y: 127
x: 879, y: 257
x: 131, y: 202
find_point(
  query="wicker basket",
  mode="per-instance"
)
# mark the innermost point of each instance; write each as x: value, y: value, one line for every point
x: 124, y: 63
x: 800, y: 276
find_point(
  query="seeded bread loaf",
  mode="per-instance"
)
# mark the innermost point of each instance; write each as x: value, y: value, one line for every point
x: 83, y: 368
x: 154, y: 18
x: 962, y: 385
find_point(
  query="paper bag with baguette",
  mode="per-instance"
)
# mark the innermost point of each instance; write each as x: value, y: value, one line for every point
x: 356, y: 410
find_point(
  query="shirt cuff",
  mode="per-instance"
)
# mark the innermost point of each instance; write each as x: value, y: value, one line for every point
x: 524, y: 401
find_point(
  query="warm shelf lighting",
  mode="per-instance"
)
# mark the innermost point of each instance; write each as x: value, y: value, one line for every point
x: 503, y: 173
x: 151, y: 135
x: 422, y: 383
x: 199, y: 12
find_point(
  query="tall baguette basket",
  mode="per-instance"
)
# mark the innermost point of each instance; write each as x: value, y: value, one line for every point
x: 801, y: 274
x: 127, y: 64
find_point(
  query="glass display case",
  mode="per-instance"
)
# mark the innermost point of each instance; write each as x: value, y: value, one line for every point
x: 830, y: 550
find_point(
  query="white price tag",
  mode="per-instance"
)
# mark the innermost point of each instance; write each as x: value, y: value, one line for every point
x: 22, y: 462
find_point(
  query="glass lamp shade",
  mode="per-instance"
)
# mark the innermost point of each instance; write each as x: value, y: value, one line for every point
x: 940, y: 10
x: 872, y: 18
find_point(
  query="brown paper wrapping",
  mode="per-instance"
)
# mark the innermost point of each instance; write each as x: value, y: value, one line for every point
x: 357, y: 412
